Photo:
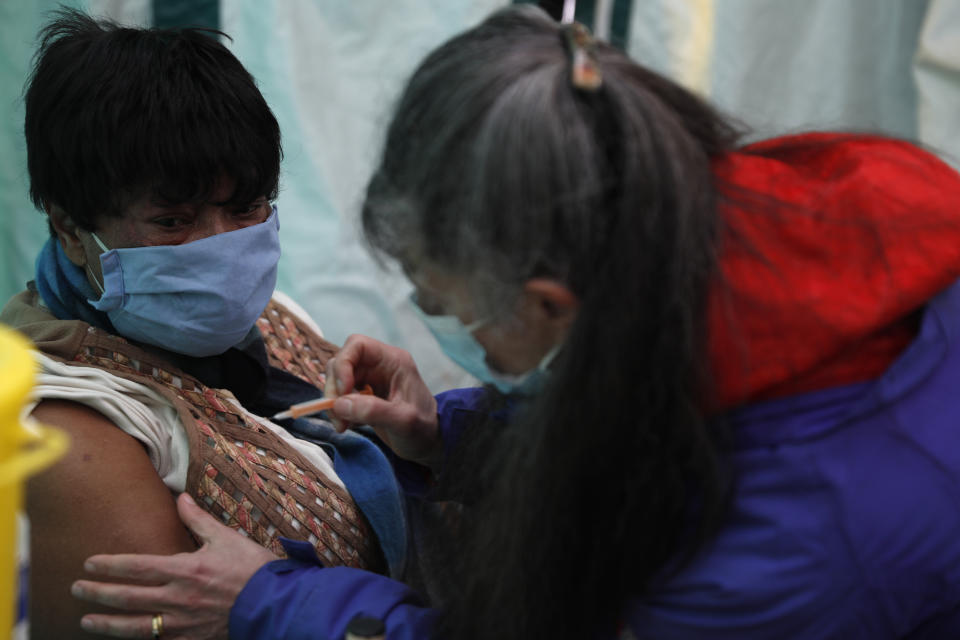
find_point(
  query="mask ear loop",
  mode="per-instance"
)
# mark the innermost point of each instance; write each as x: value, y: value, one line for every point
x: 99, y: 242
x: 86, y: 266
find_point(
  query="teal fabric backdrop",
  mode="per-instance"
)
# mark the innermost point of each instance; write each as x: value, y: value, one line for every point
x: 22, y: 229
x: 177, y: 13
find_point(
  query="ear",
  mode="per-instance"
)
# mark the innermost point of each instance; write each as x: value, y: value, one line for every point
x: 553, y: 305
x: 67, y: 234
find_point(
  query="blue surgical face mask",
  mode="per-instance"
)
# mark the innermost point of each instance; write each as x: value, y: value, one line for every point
x: 457, y: 342
x: 198, y: 298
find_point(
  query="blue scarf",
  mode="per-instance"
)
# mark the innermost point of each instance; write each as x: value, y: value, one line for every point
x: 64, y: 288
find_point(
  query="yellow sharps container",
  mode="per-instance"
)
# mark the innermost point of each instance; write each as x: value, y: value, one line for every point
x: 25, y: 448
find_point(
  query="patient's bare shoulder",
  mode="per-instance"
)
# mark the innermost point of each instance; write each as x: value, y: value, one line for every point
x: 103, y: 496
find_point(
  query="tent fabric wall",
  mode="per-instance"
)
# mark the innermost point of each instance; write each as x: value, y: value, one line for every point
x: 177, y: 13
x: 331, y: 71
x: 781, y: 66
x: 22, y: 229
x: 937, y: 74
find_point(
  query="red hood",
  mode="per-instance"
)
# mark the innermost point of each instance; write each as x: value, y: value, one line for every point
x: 830, y: 245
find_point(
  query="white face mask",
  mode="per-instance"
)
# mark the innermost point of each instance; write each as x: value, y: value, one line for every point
x: 457, y: 342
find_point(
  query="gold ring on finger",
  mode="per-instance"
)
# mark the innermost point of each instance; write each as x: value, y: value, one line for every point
x: 156, y: 625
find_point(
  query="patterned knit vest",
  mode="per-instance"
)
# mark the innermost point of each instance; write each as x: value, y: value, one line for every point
x: 239, y: 470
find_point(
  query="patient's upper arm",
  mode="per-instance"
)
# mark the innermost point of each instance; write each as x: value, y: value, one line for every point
x: 103, y: 496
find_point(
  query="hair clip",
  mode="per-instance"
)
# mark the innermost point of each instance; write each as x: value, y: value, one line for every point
x: 581, y: 47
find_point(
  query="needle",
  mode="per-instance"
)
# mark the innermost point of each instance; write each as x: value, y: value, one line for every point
x: 314, y: 406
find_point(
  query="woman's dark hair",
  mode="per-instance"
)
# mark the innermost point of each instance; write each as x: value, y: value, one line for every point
x: 497, y: 169
x: 116, y: 113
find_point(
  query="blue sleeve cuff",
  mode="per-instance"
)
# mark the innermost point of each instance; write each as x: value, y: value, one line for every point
x: 297, y: 599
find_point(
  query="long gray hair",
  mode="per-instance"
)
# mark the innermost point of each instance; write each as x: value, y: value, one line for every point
x: 497, y: 169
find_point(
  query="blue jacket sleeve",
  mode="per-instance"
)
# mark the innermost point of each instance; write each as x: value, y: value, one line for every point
x: 296, y: 599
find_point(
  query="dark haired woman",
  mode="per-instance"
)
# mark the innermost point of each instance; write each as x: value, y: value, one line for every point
x: 723, y: 381
x: 160, y: 341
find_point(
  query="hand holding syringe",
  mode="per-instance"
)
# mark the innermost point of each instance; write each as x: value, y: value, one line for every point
x: 314, y: 406
x: 402, y: 412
